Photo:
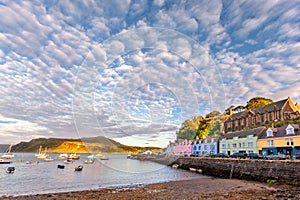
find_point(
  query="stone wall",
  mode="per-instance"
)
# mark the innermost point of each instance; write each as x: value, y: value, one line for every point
x: 285, y: 171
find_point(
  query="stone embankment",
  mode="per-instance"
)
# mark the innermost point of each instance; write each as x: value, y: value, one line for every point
x: 283, y: 171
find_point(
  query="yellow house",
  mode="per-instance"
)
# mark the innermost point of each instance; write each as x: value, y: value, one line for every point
x: 284, y: 140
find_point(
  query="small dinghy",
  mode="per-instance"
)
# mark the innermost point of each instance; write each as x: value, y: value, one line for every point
x: 60, y: 166
x: 10, y: 170
x: 79, y: 168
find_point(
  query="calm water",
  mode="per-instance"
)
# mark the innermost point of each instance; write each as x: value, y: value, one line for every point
x: 117, y: 171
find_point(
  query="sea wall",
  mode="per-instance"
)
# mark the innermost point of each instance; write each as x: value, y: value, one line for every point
x: 284, y: 171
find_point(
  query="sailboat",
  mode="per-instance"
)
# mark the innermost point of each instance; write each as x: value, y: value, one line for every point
x: 8, y: 154
x: 41, y: 154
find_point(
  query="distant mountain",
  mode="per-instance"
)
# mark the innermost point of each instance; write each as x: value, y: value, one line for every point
x: 84, y: 145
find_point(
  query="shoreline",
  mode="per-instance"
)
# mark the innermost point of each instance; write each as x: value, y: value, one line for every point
x: 200, y: 188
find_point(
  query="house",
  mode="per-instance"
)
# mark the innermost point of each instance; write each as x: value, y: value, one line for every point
x: 268, y: 114
x: 170, y: 149
x: 203, y: 147
x: 240, y: 141
x: 183, y: 148
x: 284, y: 140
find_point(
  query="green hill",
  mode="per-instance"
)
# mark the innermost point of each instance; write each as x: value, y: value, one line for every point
x: 84, y: 145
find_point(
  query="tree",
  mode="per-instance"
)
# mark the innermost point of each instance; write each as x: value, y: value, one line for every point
x: 213, y: 114
x: 257, y: 102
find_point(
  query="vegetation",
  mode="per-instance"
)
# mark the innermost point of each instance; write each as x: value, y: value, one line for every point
x: 201, y: 127
x: 257, y: 102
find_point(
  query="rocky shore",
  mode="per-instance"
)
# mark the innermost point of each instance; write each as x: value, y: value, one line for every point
x: 202, y: 188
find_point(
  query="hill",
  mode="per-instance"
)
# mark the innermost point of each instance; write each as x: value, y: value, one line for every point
x: 4, y: 147
x: 84, y: 145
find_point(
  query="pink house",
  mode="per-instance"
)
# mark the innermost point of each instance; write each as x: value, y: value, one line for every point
x: 183, y: 147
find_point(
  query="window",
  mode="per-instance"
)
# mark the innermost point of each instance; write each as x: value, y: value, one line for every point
x: 287, y: 142
x: 292, y: 142
x: 250, y: 144
x: 267, y: 117
x: 270, y: 143
x: 234, y: 145
x: 244, y: 144
x: 258, y: 118
x: 199, y: 147
x: 249, y: 121
x: 240, y: 145
x: 224, y: 146
x: 269, y: 132
x: 289, y: 130
x: 195, y: 147
x: 228, y: 146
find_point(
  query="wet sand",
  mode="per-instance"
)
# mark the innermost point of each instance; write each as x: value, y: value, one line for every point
x: 202, y: 188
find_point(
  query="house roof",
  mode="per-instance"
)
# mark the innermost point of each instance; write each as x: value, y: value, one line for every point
x: 242, y: 134
x: 280, y: 132
x: 208, y: 140
x: 262, y: 109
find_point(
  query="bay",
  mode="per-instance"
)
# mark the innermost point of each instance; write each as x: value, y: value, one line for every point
x: 118, y: 171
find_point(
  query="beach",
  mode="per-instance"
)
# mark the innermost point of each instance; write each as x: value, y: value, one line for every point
x: 202, y: 188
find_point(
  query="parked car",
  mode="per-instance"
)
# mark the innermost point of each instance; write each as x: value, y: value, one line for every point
x: 277, y: 157
x: 297, y: 155
x: 254, y: 156
x: 238, y: 155
x: 222, y: 155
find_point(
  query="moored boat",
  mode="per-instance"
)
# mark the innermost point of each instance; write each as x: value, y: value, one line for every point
x: 74, y: 156
x: 69, y: 161
x: 60, y: 166
x: 10, y: 170
x: 63, y: 156
x: 79, y: 168
x: 89, y: 161
x: 41, y: 154
x: 5, y: 161
x: 48, y: 159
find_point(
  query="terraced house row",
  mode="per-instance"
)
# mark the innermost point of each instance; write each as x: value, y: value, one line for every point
x: 265, y: 139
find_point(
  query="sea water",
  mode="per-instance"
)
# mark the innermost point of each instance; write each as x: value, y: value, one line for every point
x: 45, y: 177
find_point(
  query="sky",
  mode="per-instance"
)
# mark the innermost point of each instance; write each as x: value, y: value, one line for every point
x: 133, y: 71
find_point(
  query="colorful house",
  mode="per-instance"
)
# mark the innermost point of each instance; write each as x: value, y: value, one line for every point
x: 268, y: 114
x: 183, y: 148
x: 240, y: 141
x: 205, y: 147
x: 284, y: 140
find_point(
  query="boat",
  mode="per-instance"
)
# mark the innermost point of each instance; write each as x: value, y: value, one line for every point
x: 8, y: 153
x: 63, y: 156
x: 42, y: 154
x: 74, y: 156
x: 99, y: 155
x: 68, y: 161
x: 32, y: 162
x: 48, y: 159
x: 92, y: 156
x: 5, y: 161
x: 10, y: 170
x: 79, y: 168
x: 60, y: 166
x: 104, y: 158
x: 89, y: 161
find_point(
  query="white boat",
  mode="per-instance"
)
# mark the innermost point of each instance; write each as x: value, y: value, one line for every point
x: 92, y: 157
x: 8, y: 154
x: 48, y: 159
x: 89, y: 161
x: 42, y: 154
x: 104, y: 158
x: 63, y: 156
x: 5, y: 161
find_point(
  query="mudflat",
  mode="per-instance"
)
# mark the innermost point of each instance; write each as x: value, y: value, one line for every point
x: 202, y: 188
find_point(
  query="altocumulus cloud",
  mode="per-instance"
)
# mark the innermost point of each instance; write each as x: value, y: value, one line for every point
x: 239, y: 50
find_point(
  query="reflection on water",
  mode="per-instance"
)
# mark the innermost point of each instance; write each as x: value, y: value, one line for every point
x: 45, y: 177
